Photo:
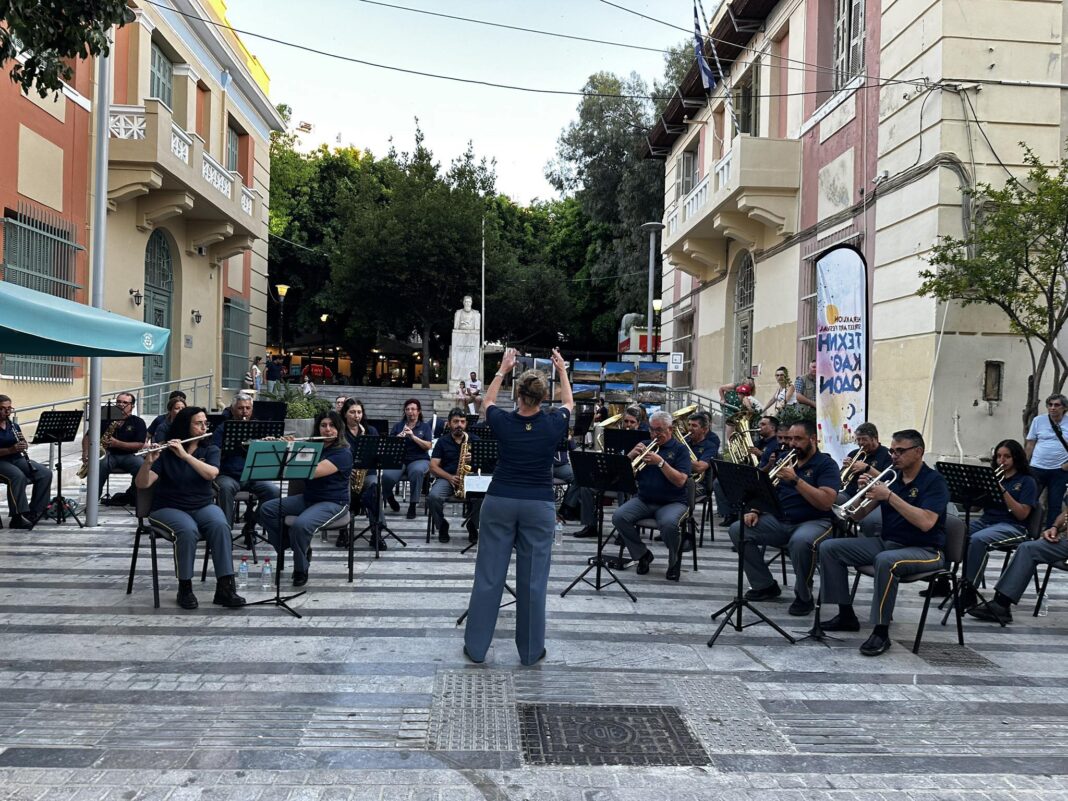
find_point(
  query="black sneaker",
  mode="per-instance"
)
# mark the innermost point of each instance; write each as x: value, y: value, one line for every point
x: 586, y: 532
x: 991, y: 612
x: 674, y: 572
x: 186, y: 599
x: 300, y: 578
x: 875, y: 644
x: 18, y: 521
x: 644, y: 562
x: 411, y: 511
x: 801, y: 608
x: 443, y: 532
x: 841, y: 623
x: 766, y: 594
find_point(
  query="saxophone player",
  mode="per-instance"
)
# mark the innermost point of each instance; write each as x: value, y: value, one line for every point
x: 352, y: 415
x: 445, y: 467
x: 125, y: 437
x: 19, y: 470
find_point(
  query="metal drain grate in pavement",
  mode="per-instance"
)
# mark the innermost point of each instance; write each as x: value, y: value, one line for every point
x: 949, y: 655
x: 582, y: 734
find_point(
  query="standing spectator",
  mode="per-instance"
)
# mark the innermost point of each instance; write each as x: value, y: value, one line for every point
x: 805, y: 387
x: 257, y: 373
x: 601, y: 412
x: 1047, y: 453
x: 307, y: 389
x: 274, y: 374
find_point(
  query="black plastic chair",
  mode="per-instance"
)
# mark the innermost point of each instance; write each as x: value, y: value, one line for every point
x: 154, y: 531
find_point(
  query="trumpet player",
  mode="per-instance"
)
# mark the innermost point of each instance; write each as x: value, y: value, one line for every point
x: 233, y: 464
x: 869, y: 458
x: 664, y: 467
x: 126, y: 437
x: 913, y: 538
x: 445, y: 467
x: 1019, y: 491
x: 19, y: 470
x: 806, y: 485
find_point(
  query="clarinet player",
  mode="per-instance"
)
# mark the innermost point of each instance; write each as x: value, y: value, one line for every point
x: 19, y: 470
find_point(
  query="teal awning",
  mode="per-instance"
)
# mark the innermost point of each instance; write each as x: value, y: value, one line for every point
x: 37, y: 324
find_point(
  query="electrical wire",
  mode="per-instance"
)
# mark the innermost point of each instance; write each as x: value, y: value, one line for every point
x: 963, y: 92
x: 295, y: 244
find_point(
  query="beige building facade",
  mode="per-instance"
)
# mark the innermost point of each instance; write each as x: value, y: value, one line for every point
x: 855, y: 122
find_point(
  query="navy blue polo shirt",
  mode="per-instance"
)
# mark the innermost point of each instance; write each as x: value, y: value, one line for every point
x: 154, y: 426
x: 7, y: 440
x: 527, y: 446
x: 927, y: 491
x: 179, y: 486
x: 448, y: 451
x: 879, y: 459
x: 131, y: 430
x: 412, y: 452
x: 333, y: 488
x: 770, y: 447
x: 1021, y: 489
x: 653, y: 485
x: 707, y: 449
x: 819, y: 471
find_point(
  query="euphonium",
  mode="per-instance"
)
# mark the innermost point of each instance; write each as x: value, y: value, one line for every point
x: 789, y: 460
x: 105, y: 442
x: 463, y: 468
x: 739, y: 443
x: 858, y: 503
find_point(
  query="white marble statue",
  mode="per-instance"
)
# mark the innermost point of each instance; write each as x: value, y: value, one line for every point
x: 467, y: 319
x: 465, y: 350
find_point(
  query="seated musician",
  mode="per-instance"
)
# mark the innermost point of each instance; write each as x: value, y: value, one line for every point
x: 771, y: 447
x: 174, y: 405
x: 325, y: 498
x: 418, y: 438
x: 125, y: 437
x: 444, y: 466
x: 1019, y: 491
x: 634, y: 419
x: 661, y: 495
x: 912, y: 541
x: 353, y: 414
x: 806, y: 491
x: 233, y: 464
x: 869, y: 458
x: 19, y: 470
x: 153, y: 427
x: 183, y: 503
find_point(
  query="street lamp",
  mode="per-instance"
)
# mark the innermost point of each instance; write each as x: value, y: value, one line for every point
x: 322, y: 328
x: 651, y: 228
x: 282, y: 289
x: 658, y: 304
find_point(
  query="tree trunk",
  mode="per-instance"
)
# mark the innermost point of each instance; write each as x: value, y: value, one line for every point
x: 427, y: 365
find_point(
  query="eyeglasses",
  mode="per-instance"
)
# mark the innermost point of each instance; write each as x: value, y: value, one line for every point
x: 901, y: 451
x: 1054, y: 405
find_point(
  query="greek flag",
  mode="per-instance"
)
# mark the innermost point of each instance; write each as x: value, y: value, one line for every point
x: 708, y: 80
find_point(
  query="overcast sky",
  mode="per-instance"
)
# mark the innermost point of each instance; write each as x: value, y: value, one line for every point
x: 367, y: 106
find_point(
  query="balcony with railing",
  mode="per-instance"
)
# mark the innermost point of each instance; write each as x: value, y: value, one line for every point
x: 750, y: 195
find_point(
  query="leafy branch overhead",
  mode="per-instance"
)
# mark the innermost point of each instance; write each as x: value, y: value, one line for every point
x: 50, y: 34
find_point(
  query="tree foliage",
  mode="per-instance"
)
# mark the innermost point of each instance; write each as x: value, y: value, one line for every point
x: 1015, y: 258
x: 50, y: 33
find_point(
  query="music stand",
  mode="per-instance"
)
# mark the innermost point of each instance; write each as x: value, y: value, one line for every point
x: 602, y: 472
x: 57, y: 428
x: 281, y: 461
x: 484, y: 456
x: 214, y: 421
x: 268, y: 410
x: 746, y: 489
x: 236, y: 436
x: 970, y: 485
x: 617, y: 440
x: 583, y: 424
x: 364, y: 452
x: 389, y: 455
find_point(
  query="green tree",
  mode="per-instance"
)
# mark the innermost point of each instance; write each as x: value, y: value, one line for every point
x: 49, y: 33
x: 1015, y: 258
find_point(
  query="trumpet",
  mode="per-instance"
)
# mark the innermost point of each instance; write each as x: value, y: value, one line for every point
x: 858, y: 503
x: 637, y: 464
x: 789, y: 460
x: 162, y: 446
x: 857, y: 460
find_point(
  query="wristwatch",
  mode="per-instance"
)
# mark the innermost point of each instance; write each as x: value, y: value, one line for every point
x: 662, y: 463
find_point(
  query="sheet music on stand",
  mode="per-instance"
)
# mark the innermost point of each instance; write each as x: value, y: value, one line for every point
x: 296, y: 460
x: 484, y: 456
x: 972, y: 485
x: 237, y: 432
x: 55, y: 427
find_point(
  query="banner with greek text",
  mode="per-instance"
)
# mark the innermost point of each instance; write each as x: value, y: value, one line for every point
x: 841, y: 349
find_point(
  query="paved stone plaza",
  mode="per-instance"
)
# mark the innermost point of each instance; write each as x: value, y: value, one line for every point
x: 368, y: 696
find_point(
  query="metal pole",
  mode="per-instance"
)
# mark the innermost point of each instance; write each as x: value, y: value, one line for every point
x: 651, y: 228
x: 102, y: 132
x: 482, y: 331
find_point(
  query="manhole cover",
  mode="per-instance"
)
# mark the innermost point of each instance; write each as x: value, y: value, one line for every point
x: 950, y: 656
x: 582, y: 734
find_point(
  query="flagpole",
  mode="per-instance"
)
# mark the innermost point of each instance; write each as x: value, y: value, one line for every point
x: 725, y: 79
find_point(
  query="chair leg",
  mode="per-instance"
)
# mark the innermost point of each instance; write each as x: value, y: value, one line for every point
x: 923, y: 620
x: 352, y: 543
x: 1042, y: 590
x: 204, y: 569
x: 853, y: 591
x: 155, y: 570
x: 692, y: 526
x: 133, y: 559
x: 956, y: 606
x: 429, y: 527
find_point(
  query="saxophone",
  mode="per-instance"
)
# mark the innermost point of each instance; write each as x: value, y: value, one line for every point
x: 463, y: 469
x: 105, y: 442
x: 357, y: 477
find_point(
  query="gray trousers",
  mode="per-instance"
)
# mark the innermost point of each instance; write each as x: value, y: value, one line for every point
x: 309, y: 520
x: 206, y: 523
x: 229, y: 487
x: 17, y: 472
x: 527, y: 526
x: 891, y: 561
x: 1028, y: 556
x: 667, y: 516
x: 440, y: 491
x: 872, y: 524
x: 586, y: 500
x: 413, y: 471
x: 118, y: 463
x: 982, y: 537
x: 801, y: 539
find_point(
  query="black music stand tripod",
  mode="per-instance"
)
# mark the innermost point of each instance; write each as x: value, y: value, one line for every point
x: 484, y: 455
x: 364, y: 456
x: 235, y: 439
x: 602, y: 472
x: 746, y: 489
x: 389, y: 455
x: 284, y: 463
x: 57, y: 428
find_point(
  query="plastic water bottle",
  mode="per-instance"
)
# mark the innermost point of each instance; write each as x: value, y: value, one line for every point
x: 1043, y: 609
x: 324, y: 535
x: 266, y: 579
x: 242, y: 573
x: 559, y: 539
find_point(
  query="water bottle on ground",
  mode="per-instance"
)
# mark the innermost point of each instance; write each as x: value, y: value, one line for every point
x: 1043, y: 609
x: 559, y: 538
x: 266, y: 579
x: 242, y: 573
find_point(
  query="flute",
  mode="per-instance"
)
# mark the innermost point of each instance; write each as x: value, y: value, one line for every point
x: 288, y: 439
x: 164, y: 445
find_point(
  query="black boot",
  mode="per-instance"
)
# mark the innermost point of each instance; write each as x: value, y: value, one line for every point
x: 186, y: 599
x: 226, y: 593
x: 411, y: 511
x: 392, y: 502
x: 443, y: 532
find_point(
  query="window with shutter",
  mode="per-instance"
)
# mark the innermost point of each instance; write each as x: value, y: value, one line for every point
x: 689, y: 171
x: 678, y: 179
x: 161, y: 82
x: 856, y: 38
x: 848, y: 41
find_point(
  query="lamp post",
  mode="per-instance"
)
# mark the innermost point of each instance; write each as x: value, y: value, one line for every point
x: 658, y: 304
x: 651, y: 228
x: 322, y: 328
x: 282, y: 289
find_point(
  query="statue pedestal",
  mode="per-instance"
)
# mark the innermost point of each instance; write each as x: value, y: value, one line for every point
x: 465, y: 357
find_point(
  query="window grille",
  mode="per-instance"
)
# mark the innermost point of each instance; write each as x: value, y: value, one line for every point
x: 848, y: 41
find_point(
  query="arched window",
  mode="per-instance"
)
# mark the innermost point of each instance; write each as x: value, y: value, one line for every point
x: 743, y: 317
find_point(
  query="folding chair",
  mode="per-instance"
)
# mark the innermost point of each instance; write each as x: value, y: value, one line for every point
x: 142, y: 508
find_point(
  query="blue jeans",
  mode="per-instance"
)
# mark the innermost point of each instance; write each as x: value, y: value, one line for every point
x: 528, y: 526
x: 309, y: 520
x: 207, y: 523
x: 1055, y: 482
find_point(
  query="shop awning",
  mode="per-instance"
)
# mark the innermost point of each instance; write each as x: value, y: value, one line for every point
x: 37, y: 324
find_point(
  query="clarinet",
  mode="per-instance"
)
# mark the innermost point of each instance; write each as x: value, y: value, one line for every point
x: 31, y: 469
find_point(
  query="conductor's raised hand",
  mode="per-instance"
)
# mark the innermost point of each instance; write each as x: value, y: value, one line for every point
x: 508, y: 361
x: 558, y: 361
